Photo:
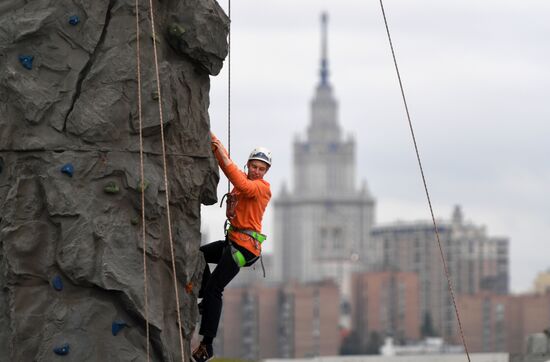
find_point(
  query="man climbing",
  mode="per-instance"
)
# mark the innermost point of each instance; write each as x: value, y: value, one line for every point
x: 242, y: 246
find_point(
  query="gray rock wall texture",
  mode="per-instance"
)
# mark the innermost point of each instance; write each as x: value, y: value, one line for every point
x: 71, y: 265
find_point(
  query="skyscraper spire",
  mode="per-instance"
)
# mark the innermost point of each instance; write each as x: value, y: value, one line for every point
x: 324, y: 57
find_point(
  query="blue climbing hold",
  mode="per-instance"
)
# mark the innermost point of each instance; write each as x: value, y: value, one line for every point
x: 74, y: 20
x: 57, y: 283
x: 62, y: 350
x: 26, y: 61
x: 117, y: 326
x: 68, y: 169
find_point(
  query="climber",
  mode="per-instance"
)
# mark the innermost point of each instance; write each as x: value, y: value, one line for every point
x: 245, y: 208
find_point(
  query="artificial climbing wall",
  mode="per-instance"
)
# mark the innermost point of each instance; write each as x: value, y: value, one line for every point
x: 71, y: 262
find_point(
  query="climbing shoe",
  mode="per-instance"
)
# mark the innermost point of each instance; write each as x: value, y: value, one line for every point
x: 203, y: 353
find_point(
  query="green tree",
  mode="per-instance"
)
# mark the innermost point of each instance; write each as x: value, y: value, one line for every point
x: 351, y: 344
x: 374, y: 343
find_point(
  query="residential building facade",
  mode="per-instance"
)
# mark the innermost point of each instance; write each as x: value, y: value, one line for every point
x: 280, y: 321
x: 475, y: 262
x: 502, y: 323
x: 386, y: 303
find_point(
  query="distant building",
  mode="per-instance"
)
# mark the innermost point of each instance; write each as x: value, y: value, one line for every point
x: 386, y: 303
x: 501, y: 323
x: 275, y: 321
x: 475, y: 261
x: 248, y: 327
x: 541, y: 284
x: 322, y: 226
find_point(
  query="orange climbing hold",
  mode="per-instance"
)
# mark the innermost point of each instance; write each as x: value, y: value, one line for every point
x: 189, y: 288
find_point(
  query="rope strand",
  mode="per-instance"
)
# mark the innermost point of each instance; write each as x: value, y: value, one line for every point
x: 152, y: 14
x: 229, y: 90
x: 142, y: 173
x: 449, y: 283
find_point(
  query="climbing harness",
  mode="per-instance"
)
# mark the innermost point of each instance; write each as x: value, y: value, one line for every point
x: 238, y: 257
x: 449, y: 283
x: 259, y: 237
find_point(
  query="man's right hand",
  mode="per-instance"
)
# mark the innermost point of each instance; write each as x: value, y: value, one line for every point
x: 216, y: 143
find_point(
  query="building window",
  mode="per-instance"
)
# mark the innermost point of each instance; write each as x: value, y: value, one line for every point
x: 338, y: 238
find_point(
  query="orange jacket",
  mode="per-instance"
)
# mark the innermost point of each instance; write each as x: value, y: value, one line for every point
x: 252, y: 199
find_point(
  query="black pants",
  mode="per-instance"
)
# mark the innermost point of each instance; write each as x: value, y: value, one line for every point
x: 214, y: 283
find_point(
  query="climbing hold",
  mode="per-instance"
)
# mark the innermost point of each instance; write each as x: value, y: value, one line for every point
x: 134, y: 220
x: 145, y: 186
x: 57, y: 283
x: 62, y: 350
x: 155, y: 95
x: 189, y: 288
x: 111, y: 188
x: 117, y: 326
x: 155, y: 38
x: 74, y: 20
x: 176, y: 30
x: 68, y: 169
x: 26, y: 61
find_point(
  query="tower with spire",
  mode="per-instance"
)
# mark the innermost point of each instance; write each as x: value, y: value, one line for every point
x: 322, y: 226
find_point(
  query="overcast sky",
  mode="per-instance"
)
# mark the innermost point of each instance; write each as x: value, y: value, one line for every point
x: 476, y: 76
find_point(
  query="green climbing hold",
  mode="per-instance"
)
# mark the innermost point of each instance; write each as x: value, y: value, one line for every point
x: 111, y: 188
x: 155, y: 95
x: 155, y: 38
x: 135, y: 220
x: 145, y: 186
x: 176, y: 30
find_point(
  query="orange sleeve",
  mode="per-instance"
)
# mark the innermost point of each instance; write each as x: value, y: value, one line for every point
x: 238, y: 178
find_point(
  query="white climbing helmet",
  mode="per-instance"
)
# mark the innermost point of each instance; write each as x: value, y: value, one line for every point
x: 261, y: 154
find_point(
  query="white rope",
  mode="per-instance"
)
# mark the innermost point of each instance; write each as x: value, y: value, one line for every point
x: 142, y: 173
x: 167, y: 190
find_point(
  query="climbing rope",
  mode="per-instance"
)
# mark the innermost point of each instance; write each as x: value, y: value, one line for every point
x: 142, y: 173
x: 229, y: 89
x: 142, y: 184
x: 449, y: 283
x: 167, y: 190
